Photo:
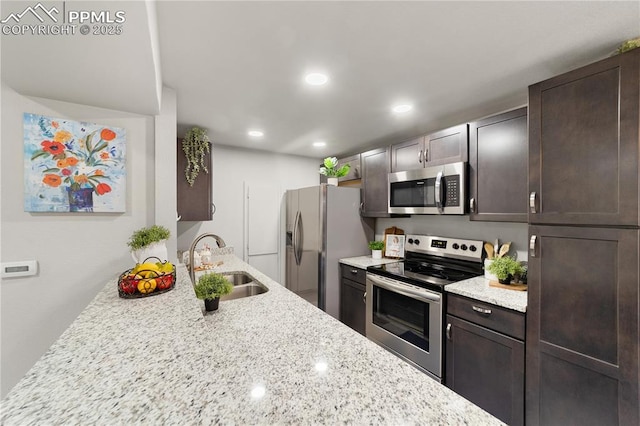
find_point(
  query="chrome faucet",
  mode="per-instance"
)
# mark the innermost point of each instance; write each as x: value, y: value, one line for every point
x: 219, y: 241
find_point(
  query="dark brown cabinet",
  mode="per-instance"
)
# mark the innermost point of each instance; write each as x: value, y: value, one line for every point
x: 194, y: 202
x: 582, y: 316
x: 582, y: 326
x: 485, y: 356
x: 375, y: 187
x: 445, y: 146
x: 354, y: 170
x: 498, y: 179
x: 352, y: 297
x: 583, y: 145
x: 407, y: 155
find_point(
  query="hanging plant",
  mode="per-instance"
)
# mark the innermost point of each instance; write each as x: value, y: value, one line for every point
x: 195, y: 146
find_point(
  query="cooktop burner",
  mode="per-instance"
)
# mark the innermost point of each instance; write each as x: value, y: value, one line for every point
x: 437, y: 271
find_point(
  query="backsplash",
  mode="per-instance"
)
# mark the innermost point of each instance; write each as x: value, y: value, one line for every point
x: 461, y: 227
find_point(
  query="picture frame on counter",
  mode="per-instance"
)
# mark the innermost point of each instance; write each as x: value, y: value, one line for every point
x: 394, y: 246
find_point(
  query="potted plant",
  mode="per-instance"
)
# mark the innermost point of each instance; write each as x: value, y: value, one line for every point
x: 504, y: 268
x: 210, y: 287
x: 332, y: 172
x: 376, y: 249
x: 149, y: 242
x: 195, y: 145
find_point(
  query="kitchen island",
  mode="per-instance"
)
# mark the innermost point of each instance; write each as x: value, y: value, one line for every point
x: 267, y: 359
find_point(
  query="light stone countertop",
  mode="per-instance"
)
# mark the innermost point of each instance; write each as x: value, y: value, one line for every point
x: 267, y: 359
x: 478, y: 288
x: 365, y: 261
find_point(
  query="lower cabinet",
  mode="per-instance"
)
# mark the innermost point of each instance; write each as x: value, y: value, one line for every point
x: 352, y: 293
x: 485, y: 356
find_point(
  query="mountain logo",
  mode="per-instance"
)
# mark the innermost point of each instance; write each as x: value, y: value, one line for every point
x: 38, y: 11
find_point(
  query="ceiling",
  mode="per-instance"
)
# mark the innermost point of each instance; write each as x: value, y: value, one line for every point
x: 240, y: 65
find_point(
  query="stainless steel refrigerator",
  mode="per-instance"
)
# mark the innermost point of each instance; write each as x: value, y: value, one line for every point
x: 323, y: 226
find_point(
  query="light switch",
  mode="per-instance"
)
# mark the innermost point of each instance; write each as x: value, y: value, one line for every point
x: 22, y: 268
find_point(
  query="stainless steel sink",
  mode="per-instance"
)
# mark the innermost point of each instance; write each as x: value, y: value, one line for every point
x: 243, y: 286
x: 239, y: 278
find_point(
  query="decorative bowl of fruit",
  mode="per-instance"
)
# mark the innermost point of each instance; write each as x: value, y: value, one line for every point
x: 149, y: 278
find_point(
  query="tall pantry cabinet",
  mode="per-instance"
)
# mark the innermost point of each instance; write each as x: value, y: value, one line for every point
x: 582, y: 357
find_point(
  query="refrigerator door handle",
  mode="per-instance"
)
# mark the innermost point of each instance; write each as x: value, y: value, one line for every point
x: 296, y: 236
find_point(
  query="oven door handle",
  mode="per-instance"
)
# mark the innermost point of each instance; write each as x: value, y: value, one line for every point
x: 423, y: 295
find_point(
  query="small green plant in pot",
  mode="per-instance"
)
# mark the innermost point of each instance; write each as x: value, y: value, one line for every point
x: 505, y: 268
x: 149, y: 242
x: 210, y: 287
x: 331, y: 170
x: 376, y: 249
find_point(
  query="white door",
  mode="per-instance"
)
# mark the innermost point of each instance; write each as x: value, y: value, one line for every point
x: 262, y: 228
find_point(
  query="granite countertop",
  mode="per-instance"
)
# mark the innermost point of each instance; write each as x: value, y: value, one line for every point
x: 365, y: 261
x: 478, y: 288
x: 267, y: 359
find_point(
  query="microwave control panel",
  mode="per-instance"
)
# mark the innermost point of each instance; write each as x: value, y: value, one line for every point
x: 452, y: 191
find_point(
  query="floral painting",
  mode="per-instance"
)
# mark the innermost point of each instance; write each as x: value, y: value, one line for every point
x: 72, y: 166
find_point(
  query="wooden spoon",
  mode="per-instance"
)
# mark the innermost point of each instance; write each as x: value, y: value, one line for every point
x: 504, y: 249
x: 488, y: 247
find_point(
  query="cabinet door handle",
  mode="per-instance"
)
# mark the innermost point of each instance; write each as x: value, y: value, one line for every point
x: 213, y: 209
x: 480, y: 310
x: 354, y: 271
x: 426, y: 155
x: 361, y: 207
x: 364, y: 298
x: 472, y: 205
x: 532, y: 202
x: 449, y: 331
x: 532, y: 245
x: 420, y: 157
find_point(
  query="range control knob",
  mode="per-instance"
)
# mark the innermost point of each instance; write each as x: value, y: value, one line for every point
x: 472, y: 248
x: 455, y: 246
x: 417, y: 242
x: 410, y: 240
x: 463, y: 247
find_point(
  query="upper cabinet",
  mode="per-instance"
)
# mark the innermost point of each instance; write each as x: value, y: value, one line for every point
x: 374, y: 194
x: 583, y: 145
x: 194, y: 202
x: 354, y: 170
x: 498, y: 180
x: 446, y: 146
x: 407, y: 155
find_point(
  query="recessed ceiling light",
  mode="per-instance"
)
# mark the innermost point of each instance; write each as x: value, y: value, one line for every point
x: 255, y: 133
x: 319, y: 144
x: 402, y: 108
x: 316, y: 79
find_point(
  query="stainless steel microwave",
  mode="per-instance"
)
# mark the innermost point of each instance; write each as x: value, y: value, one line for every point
x: 431, y: 190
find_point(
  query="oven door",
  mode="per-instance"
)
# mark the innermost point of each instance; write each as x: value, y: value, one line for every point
x: 406, y: 320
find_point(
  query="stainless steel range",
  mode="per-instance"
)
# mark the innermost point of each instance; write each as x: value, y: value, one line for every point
x: 406, y: 300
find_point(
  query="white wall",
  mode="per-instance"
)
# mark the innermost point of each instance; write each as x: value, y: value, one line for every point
x: 232, y: 169
x: 165, y: 168
x: 77, y: 253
